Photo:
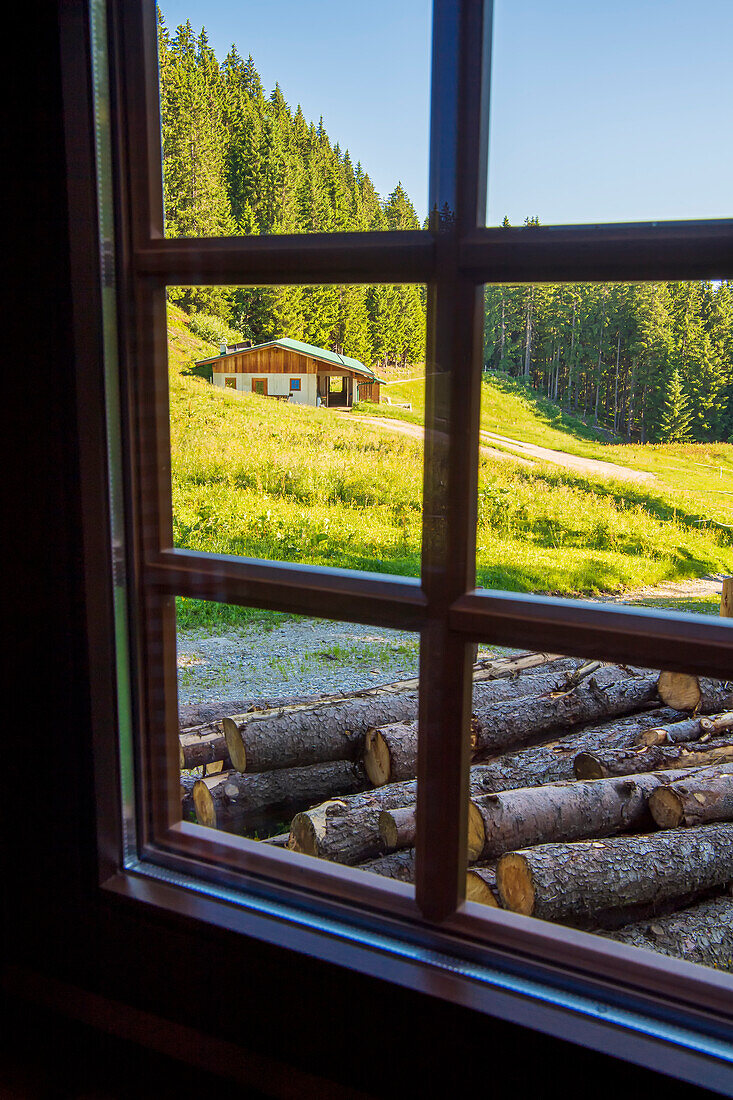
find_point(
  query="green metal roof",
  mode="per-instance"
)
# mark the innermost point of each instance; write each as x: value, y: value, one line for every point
x: 305, y: 349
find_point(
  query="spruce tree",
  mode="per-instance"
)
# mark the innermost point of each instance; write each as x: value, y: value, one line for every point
x: 674, y: 426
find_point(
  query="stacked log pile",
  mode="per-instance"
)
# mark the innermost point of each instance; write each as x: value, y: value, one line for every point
x: 601, y: 796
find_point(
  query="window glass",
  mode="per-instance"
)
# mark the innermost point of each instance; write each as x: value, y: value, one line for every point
x: 323, y: 469
x: 274, y: 120
x: 606, y: 470
x: 285, y: 723
x: 610, y: 112
x: 601, y: 798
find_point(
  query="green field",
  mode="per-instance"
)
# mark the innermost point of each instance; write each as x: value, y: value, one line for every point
x: 260, y: 478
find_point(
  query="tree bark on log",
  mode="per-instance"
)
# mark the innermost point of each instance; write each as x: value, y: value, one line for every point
x: 399, y: 865
x: 397, y: 828
x: 600, y: 764
x: 695, y: 693
x: 702, y: 934
x: 502, y: 822
x: 330, y: 731
x: 481, y: 886
x: 346, y: 830
x: 560, y: 881
x: 203, y: 745
x: 508, y: 725
x: 689, y: 730
x: 390, y: 752
x: 553, y: 761
x: 237, y: 803
x: 695, y: 799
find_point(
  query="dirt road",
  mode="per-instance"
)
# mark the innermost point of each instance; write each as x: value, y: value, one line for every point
x: 525, y: 453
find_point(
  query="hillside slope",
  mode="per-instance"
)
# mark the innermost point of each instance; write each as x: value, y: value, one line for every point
x: 260, y: 478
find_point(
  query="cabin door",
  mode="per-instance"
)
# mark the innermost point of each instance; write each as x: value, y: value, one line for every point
x: 259, y: 385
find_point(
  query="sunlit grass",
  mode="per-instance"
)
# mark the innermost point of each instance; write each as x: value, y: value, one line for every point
x: 258, y: 478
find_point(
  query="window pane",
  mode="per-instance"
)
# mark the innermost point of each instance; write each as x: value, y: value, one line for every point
x: 610, y: 112
x: 294, y: 118
x: 602, y: 799
x: 327, y: 471
x: 605, y: 467
x: 282, y: 714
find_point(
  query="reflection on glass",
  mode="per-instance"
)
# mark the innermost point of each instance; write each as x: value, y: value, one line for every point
x: 246, y: 149
x: 297, y: 435
x: 610, y: 112
x: 601, y: 798
x: 279, y: 720
x: 605, y: 466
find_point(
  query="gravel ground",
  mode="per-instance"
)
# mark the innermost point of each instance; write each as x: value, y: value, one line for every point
x: 314, y: 657
x: 294, y: 658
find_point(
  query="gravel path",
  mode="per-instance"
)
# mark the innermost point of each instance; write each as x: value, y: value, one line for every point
x: 524, y: 453
x: 294, y: 658
x: 313, y: 657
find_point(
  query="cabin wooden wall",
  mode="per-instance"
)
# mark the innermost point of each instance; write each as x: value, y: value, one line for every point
x: 273, y: 361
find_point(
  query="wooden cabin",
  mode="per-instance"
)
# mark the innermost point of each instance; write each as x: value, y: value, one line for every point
x: 291, y: 370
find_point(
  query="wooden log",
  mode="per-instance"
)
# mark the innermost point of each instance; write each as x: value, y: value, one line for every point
x: 237, y: 803
x: 702, y: 934
x: 602, y: 763
x: 503, y: 822
x: 512, y: 724
x: 397, y: 827
x: 203, y: 745
x: 298, y: 737
x: 346, y: 830
x: 390, y: 752
x: 553, y: 761
x: 481, y: 886
x: 691, y: 729
x: 559, y: 881
x: 726, y: 598
x: 695, y: 799
x: 694, y: 693
x: 399, y: 865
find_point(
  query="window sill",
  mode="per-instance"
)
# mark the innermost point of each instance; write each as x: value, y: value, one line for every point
x: 449, y: 964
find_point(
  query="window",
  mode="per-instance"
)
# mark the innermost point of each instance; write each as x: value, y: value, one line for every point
x: 230, y: 383
x: 294, y: 383
x: 455, y: 257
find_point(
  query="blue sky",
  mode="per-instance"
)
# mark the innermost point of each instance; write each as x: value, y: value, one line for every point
x: 601, y: 111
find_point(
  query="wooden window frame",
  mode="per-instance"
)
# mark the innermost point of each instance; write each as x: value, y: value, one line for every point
x: 657, y: 1011
x: 294, y: 385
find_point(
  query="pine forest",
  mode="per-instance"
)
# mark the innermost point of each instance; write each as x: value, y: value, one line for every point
x: 649, y: 363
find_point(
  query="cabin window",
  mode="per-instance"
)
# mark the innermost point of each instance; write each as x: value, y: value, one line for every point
x: 230, y: 383
x: 421, y: 917
x: 294, y: 383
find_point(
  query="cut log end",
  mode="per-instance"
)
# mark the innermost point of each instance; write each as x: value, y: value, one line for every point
x: 586, y: 766
x: 679, y: 690
x: 204, y: 805
x: 480, y: 891
x: 388, y: 830
x: 376, y: 758
x: 647, y: 738
x: 235, y: 744
x: 666, y: 808
x: 514, y: 882
x: 303, y: 836
x: 476, y: 833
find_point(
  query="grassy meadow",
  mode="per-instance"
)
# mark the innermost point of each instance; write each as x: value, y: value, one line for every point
x: 265, y: 479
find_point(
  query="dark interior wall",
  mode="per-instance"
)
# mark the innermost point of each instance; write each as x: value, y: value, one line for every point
x: 58, y: 925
